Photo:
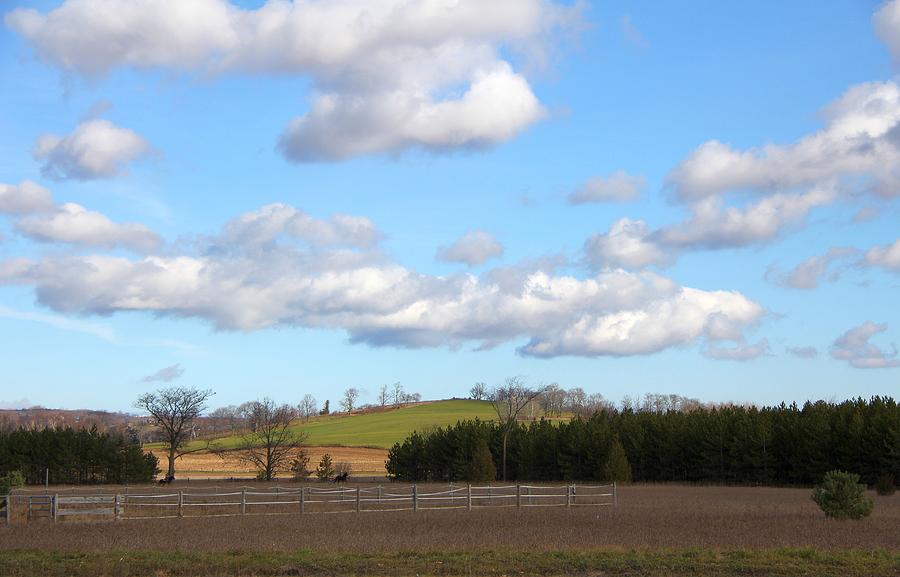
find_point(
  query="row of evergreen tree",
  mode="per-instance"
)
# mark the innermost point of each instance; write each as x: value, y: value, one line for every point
x: 75, y: 456
x: 782, y: 445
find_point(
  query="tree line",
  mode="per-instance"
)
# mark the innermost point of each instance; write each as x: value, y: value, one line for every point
x: 74, y: 456
x: 778, y: 445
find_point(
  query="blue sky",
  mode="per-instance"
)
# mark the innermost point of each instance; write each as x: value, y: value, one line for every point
x: 697, y: 198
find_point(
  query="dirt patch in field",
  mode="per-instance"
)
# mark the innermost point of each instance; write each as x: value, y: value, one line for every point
x: 363, y: 460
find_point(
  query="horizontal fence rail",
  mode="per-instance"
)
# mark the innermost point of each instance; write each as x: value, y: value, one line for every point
x: 211, y: 502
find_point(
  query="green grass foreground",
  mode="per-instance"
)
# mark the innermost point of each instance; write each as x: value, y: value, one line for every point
x: 643, y: 562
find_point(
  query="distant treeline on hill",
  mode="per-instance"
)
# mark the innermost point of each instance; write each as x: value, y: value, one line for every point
x: 74, y: 456
x: 783, y: 445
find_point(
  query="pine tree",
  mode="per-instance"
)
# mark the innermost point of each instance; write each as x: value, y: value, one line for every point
x: 325, y: 470
x: 616, y: 468
x: 483, y: 468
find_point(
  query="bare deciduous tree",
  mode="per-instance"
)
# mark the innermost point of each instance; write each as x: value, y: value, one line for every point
x: 174, y: 410
x: 349, y: 400
x: 398, y: 394
x: 478, y: 391
x: 383, y: 396
x: 508, y: 400
x: 307, y: 407
x: 272, y: 445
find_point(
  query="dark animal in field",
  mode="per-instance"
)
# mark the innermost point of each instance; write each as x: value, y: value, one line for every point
x: 341, y: 477
x: 167, y: 480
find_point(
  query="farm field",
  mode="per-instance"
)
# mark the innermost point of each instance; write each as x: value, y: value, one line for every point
x: 380, y: 428
x: 655, y: 530
x: 360, y: 439
x: 204, y: 465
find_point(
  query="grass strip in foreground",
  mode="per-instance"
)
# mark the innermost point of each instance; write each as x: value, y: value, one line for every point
x: 642, y: 562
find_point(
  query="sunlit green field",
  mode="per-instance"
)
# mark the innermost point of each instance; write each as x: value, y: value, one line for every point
x: 383, y: 428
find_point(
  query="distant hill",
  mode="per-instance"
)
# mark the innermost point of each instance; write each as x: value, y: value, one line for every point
x: 40, y: 418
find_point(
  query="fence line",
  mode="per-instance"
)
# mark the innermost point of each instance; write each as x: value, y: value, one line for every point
x: 302, y: 500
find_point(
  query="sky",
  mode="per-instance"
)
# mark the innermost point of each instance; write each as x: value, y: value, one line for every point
x: 280, y: 198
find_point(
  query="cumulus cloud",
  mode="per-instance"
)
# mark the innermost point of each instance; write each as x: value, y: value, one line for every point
x: 451, y: 84
x: 803, y: 352
x: 24, y: 198
x: 247, y: 286
x: 95, y: 149
x: 628, y: 244
x: 165, y: 375
x: 473, y: 248
x: 274, y: 221
x: 619, y: 186
x: 74, y: 224
x: 887, y: 257
x: 809, y: 273
x: 887, y: 26
x: 713, y: 225
x: 854, y: 347
x: 860, y: 140
x: 739, y: 352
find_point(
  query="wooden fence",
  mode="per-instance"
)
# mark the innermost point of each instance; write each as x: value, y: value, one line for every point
x: 303, y: 500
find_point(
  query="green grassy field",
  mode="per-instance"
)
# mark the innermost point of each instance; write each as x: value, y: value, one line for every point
x: 647, y: 563
x: 383, y: 428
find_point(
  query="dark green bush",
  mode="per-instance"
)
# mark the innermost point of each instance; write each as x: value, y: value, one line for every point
x: 842, y: 496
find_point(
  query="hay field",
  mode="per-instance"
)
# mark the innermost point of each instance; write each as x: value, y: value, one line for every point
x: 204, y: 465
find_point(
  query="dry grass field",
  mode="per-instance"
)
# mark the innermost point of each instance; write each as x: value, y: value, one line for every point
x: 203, y: 465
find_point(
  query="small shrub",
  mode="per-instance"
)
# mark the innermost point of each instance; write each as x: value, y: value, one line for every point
x: 343, y: 467
x: 300, y: 466
x: 885, y: 486
x: 841, y: 496
x: 10, y: 481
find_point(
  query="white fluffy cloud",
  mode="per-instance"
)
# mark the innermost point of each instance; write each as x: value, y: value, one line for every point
x: 95, y: 149
x: 809, y: 273
x: 887, y: 25
x: 274, y: 221
x: 619, y: 186
x: 887, y: 257
x: 250, y: 286
x: 628, y: 244
x: 25, y: 197
x: 854, y: 347
x: 473, y: 248
x: 860, y: 139
x: 450, y: 83
x: 165, y: 374
x: 74, y: 224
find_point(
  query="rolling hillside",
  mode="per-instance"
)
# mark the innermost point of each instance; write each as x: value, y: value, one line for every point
x: 382, y: 429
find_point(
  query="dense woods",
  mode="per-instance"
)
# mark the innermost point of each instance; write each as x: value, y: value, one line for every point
x: 783, y: 445
x: 75, y: 456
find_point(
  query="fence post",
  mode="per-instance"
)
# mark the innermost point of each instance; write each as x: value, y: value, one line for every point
x: 243, y: 501
x: 9, y: 501
x: 379, y: 496
x: 469, y: 496
x: 53, y: 506
x: 568, y: 495
x: 357, y: 499
x: 518, y: 496
x: 302, y: 499
x: 615, y: 495
x: 181, y: 502
x: 415, y: 499
x: 116, y: 508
